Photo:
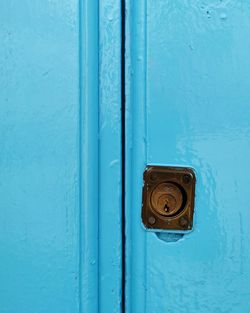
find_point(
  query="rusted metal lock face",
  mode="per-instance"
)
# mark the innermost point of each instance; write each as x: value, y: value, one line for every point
x: 168, y: 198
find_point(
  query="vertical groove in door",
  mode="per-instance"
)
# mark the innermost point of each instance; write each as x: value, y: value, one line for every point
x: 123, y: 132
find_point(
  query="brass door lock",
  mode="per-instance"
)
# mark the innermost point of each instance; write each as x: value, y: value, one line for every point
x: 168, y: 198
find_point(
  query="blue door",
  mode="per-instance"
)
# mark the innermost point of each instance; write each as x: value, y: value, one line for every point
x: 60, y: 230
x: 188, y: 104
x: 92, y: 92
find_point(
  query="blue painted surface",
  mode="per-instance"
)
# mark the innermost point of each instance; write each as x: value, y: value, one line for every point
x: 39, y: 157
x: 88, y: 156
x: 110, y: 243
x: 188, y: 87
x: 53, y: 161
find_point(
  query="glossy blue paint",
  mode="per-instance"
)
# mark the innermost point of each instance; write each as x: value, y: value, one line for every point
x: 188, y: 97
x: 110, y: 242
x: 58, y: 114
x: 89, y: 156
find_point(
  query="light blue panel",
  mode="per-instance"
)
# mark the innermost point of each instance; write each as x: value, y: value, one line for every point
x: 136, y: 244
x: 52, y: 155
x: 39, y: 168
x: 88, y: 155
x: 196, y: 79
x: 110, y: 241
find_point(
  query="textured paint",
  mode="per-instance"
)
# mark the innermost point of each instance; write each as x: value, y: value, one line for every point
x: 89, y: 156
x: 188, y: 87
x: 39, y: 156
x: 55, y: 121
x: 110, y: 157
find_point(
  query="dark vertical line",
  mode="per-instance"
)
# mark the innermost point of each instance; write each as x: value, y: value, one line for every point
x: 123, y: 143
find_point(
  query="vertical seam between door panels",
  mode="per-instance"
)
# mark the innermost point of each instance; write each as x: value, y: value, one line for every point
x: 144, y: 130
x: 146, y: 134
x: 123, y: 147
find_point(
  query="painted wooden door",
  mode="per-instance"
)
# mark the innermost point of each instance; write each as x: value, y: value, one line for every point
x: 188, y: 104
x: 60, y: 234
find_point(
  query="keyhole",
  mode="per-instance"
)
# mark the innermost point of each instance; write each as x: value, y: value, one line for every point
x: 166, y: 208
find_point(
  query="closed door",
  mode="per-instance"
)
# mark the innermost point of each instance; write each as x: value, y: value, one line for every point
x: 188, y: 102
x: 91, y: 93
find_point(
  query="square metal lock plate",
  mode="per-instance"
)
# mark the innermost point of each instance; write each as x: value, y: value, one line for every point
x: 168, y: 198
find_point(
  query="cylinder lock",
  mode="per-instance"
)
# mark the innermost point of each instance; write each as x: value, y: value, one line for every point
x: 168, y: 198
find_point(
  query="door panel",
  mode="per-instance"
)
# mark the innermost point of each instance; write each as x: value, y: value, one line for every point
x: 189, y: 89
x: 39, y: 179
x: 55, y: 120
